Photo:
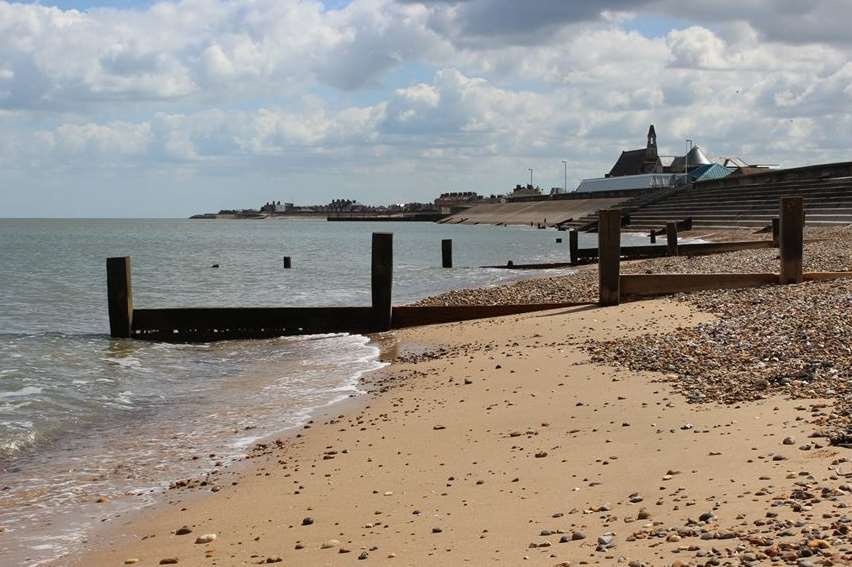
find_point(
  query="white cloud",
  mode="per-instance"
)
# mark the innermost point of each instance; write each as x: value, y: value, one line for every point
x: 116, y: 138
x: 192, y: 47
x: 418, y: 90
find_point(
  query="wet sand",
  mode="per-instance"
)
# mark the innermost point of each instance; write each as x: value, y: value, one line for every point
x: 499, y: 442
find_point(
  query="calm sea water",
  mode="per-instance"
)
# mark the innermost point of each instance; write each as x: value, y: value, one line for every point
x: 84, y: 417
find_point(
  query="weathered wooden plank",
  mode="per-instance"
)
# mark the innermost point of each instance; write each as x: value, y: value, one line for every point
x: 415, y: 315
x: 671, y: 238
x: 627, y: 252
x: 609, y: 246
x: 791, y: 238
x: 662, y: 284
x: 119, y: 297
x: 573, y: 246
x: 447, y: 253
x: 704, y: 248
x: 382, y: 278
x: 545, y: 266
x: 226, y: 322
x: 697, y: 249
x: 824, y: 276
x: 207, y: 324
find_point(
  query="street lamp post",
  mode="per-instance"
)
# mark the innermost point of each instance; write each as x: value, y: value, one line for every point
x: 565, y: 186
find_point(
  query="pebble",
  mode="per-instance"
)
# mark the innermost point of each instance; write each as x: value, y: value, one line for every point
x: 206, y: 538
x: 605, y: 540
x: 329, y: 544
x: 169, y: 561
x: 307, y: 521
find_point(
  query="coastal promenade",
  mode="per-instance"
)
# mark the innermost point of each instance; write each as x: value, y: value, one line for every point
x: 703, y: 429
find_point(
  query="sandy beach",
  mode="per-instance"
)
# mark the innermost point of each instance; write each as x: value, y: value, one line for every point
x: 514, y: 441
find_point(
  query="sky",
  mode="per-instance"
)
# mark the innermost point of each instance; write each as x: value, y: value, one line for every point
x: 128, y: 108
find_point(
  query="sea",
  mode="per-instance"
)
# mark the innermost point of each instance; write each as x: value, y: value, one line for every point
x: 93, y: 427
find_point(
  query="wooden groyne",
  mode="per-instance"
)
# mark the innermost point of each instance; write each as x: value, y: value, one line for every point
x: 614, y: 286
x: 672, y: 247
x: 203, y: 324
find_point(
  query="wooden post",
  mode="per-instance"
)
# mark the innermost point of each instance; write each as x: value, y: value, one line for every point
x: 119, y: 297
x: 791, y: 233
x: 382, y: 279
x: 671, y: 238
x: 573, y: 246
x: 447, y: 253
x: 287, y: 263
x: 776, y: 231
x: 653, y: 236
x: 609, y: 257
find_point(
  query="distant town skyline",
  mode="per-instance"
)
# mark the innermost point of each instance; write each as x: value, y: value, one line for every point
x: 130, y: 108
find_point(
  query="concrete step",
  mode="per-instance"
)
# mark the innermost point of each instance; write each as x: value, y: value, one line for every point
x: 762, y: 220
x: 774, y: 199
x: 757, y: 223
x: 746, y: 213
x: 805, y: 183
x: 841, y: 185
x: 747, y: 204
x: 809, y: 201
x: 685, y: 213
x: 767, y: 216
x: 771, y: 188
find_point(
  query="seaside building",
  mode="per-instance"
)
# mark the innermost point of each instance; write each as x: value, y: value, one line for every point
x: 645, y: 168
x: 524, y: 191
x: 629, y: 182
x: 638, y: 162
x: 708, y: 171
x: 456, y: 198
x: 276, y: 207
